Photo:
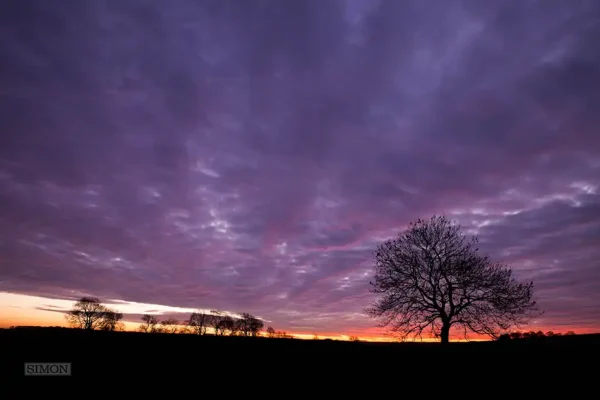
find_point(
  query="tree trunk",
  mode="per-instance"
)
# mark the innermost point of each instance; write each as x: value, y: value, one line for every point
x: 445, y: 333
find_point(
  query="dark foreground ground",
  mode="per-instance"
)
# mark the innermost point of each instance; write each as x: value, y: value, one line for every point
x: 125, y: 356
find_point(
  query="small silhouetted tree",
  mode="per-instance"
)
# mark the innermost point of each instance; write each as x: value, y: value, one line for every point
x: 88, y: 313
x: 504, y: 337
x: 111, y: 321
x: 169, y: 325
x: 249, y: 325
x: 215, y: 320
x: 199, y: 322
x: 237, y: 327
x: 354, y: 339
x: 150, y: 323
x: 226, y: 325
x: 570, y: 333
x: 270, y: 332
x: 533, y: 335
x: 516, y: 335
x: 244, y: 324
x: 255, y: 325
x: 431, y: 277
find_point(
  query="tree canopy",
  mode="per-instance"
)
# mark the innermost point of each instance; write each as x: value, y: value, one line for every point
x: 89, y: 313
x: 432, y: 278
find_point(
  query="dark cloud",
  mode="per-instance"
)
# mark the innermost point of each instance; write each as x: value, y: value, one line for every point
x: 249, y: 156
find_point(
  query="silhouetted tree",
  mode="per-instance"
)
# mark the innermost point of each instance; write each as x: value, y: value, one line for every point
x: 570, y: 333
x: 432, y: 278
x: 199, y: 322
x: 244, y: 324
x: 169, y: 325
x: 516, y: 335
x: 256, y: 326
x: 236, y: 327
x: 504, y: 337
x: 220, y: 328
x: 111, y: 321
x: 354, y: 339
x: 150, y: 323
x: 270, y: 332
x: 87, y: 313
x: 283, y: 335
x: 215, y: 320
x: 249, y: 325
x: 226, y: 326
x: 533, y: 335
x: 315, y: 337
x: 549, y: 333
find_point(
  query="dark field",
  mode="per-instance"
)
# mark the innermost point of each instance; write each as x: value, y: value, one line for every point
x: 124, y: 354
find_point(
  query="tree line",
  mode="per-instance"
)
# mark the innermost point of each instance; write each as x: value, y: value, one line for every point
x: 90, y: 314
x: 199, y: 323
x: 531, y: 335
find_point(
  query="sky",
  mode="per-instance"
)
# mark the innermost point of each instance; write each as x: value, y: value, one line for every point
x: 249, y: 156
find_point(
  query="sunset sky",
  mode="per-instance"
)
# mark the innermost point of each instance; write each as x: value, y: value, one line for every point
x: 249, y: 156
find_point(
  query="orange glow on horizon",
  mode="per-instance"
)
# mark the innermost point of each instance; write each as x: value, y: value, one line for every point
x: 22, y: 310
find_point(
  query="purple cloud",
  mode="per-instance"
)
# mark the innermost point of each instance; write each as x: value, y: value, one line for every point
x: 250, y: 156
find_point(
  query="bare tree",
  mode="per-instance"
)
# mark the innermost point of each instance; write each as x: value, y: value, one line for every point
x: 270, y: 332
x: 222, y: 327
x: 87, y: 313
x: 111, y: 321
x: 226, y: 326
x: 199, y: 322
x: 236, y: 327
x: 170, y: 325
x: 244, y: 324
x: 256, y: 326
x: 431, y: 277
x: 150, y: 323
x: 250, y: 325
x: 215, y: 320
